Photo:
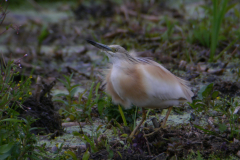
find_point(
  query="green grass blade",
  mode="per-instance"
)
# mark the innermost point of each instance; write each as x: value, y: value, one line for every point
x: 219, y: 11
x: 122, y: 114
x: 90, y: 95
x: 214, y: 30
x: 223, y: 51
x: 135, y: 117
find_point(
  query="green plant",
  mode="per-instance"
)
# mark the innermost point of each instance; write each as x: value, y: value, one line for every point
x: 96, y: 142
x: 11, y: 91
x: 200, y: 34
x: 122, y: 115
x: 198, y: 156
x: 112, y: 111
x: 207, y: 32
x: 84, y: 109
x: 227, y: 107
x: 170, y: 29
x: 219, y: 11
x: 16, y: 139
x: 175, y: 147
x: 206, y: 99
x: 71, y: 89
x: 42, y: 36
x: 79, y: 109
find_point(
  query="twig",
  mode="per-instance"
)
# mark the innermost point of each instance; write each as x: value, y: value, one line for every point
x: 147, y: 145
x: 234, y: 52
x: 224, y: 50
x: 26, y: 65
x: 4, y: 15
x: 157, y: 156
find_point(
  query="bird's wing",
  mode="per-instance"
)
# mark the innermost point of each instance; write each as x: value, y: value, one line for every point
x: 161, y: 83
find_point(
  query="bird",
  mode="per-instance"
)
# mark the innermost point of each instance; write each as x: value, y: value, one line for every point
x: 142, y: 82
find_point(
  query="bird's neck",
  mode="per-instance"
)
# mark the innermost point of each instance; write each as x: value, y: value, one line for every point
x: 116, y: 61
x: 122, y: 64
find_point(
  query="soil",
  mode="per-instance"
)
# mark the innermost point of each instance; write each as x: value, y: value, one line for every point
x: 227, y: 88
x: 47, y: 118
x: 167, y: 143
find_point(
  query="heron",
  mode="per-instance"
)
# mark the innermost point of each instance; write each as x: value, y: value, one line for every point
x: 142, y: 82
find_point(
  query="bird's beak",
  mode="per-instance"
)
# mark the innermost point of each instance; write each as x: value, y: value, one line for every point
x: 99, y: 45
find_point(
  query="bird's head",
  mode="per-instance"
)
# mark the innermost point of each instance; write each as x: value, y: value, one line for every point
x: 115, y: 53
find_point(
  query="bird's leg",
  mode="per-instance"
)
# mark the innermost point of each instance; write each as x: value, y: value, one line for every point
x: 163, y: 125
x: 143, y: 119
x: 165, y: 119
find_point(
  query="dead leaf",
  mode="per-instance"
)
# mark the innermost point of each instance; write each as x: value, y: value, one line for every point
x: 77, y: 30
x: 182, y: 64
x: 201, y: 67
x: 235, y: 140
x: 216, y: 71
x: 236, y: 111
x: 210, y: 122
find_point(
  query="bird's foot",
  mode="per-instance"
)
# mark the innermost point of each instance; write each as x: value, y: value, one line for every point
x: 138, y: 126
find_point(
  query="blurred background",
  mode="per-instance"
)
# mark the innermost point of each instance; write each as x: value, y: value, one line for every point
x: 53, y: 33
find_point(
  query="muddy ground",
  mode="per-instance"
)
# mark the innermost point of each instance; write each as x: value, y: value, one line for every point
x: 53, y: 35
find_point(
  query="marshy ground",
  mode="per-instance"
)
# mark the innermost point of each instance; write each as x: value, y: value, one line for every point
x: 76, y: 117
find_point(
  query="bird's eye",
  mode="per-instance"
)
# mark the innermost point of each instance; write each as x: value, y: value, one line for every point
x: 115, y: 49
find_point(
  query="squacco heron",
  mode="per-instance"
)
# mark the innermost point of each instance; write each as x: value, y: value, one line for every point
x: 142, y: 82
